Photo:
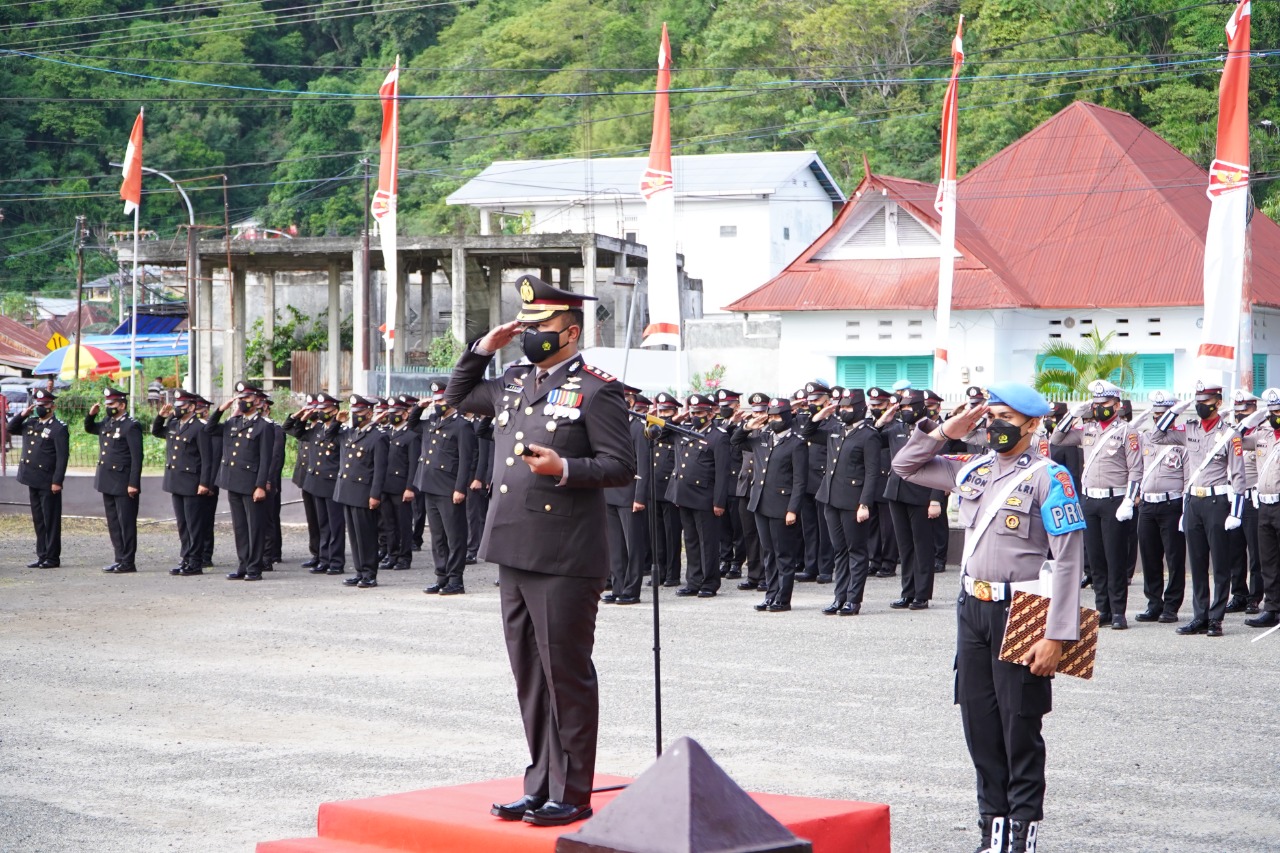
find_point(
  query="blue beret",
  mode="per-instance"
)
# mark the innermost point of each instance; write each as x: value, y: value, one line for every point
x: 1020, y: 398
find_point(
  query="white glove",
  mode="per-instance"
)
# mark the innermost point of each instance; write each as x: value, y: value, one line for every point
x: 1232, y: 522
x: 1180, y: 528
x: 1083, y: 409
x: 1124, y: 512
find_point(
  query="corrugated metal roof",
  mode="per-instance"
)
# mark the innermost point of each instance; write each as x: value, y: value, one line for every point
x: 766, y: 172
x: 1090, y: 209
x: 23, y: 339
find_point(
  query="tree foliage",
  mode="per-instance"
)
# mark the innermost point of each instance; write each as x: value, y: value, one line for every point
x: 1092, y: 360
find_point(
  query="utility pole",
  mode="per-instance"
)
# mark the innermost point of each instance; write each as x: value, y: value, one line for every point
x: 80, y: 235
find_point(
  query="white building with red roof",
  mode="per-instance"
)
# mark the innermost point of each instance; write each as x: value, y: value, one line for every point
x: 1091, y: 221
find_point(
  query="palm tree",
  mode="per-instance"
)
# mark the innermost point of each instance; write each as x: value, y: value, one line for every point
x: 1085, y: 363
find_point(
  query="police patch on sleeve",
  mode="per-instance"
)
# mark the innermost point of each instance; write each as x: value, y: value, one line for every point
x: 1060, y: 510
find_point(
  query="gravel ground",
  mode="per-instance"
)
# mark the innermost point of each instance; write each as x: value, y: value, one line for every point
x: 153, y: 713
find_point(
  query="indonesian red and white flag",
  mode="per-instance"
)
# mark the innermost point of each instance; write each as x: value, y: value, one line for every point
x: 383, y: 207
x: 945, y: 204
x: 1226, y: 239
x: 659, y: 191
x: 131, y: 188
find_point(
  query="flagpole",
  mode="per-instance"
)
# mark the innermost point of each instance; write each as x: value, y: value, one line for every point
x: 133, y: 325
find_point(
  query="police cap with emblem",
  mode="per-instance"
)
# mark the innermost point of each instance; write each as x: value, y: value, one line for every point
x: 817, y: 390
x: 43, y: 396
x: 358, y: 402
x: 185, y: 396
x: 699, y: 401
x: 405, y: 401
x: 540, y: 301
x: 1021, y: 398
x: 975, y: 394
x: 779, y: 406
x: 323, y: 399
x: 1161, y: 399
x: 1101, y: 389
x: 249, y: 390
x: 1242, y: 400
x: 114, y: 394
x: 437, y: 390
x: 726, y: 396
x: 759, y: 402
x: 1207, y: 390
x: 852, y: 397
x: 666, y: 401
x: 1271, y: 398
x: 642, y: 400
x: 878, y: 395
x: 931, y: 396
x: 629, y: 389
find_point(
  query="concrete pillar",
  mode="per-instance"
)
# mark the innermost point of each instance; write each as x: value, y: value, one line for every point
x: 486, y: 222
x: 233, y: 339
x: 268, y: 326
x: 426, y: 313
x: 335, y: 330
x: 589, y: 289
x: 204, y: 366
x: 544, y: 273
x: 359, y: 325
x: 458, y: 282
x: 622, y: 299
x: 564, y: 277
x: 493, y: 282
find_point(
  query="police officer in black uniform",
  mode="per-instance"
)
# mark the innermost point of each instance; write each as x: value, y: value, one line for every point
x: 700, y: 489
x: 478, y: 492
x: 274, y: 551
x: 940, y: 524
x: 628, y: 520
x: 360, y: 484
x: 247, y: 454
x: 664, y: 465
x: 882, y: 544
x: 294, y: 425
x: 819, y: 560
x: 320, y: 427
x: 207, y: 492
x: 851, y: 478
x: 445, y: 472
x: 733, y: 547
x: 757, y: 404
x: 45, y: 450
x: 404, y: 443
x: 188, y: 464
x: 561, y: 438
x: 119, y: 475
x: 781, y: 471
x: 911, y: 506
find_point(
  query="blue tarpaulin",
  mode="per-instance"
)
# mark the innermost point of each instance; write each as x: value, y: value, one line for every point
x: 149, y: 346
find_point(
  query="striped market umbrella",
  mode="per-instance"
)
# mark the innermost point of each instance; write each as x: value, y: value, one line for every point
x: 93, y: 362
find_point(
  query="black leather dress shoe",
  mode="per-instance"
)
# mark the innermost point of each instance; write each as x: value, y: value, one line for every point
x: 900, y: 603
x: 253, y: 576
x: 385, y: 566
x: 111, y: 568
x: 1104, y: 618
x: 317, y: 570
x: 779, y: 608
x: 1252, y: 607
x: 627, y: 599
x: 126, y: 570
x: 832, y: 609
x: 192, y: 570
x: 918, y: 604
x: 367, y: 583
x: 747, y: 585
x: 454, y: 589
x: 763, y: 606
x: 401, y: 567
x: 671, y: 583
x: 434, y: 589
x: 886, y: 573
x: 762, y: 587
x: 850, y: 609
x: 1268, y: 619
x: 235, y: 576
x: 1151, y: 614
x: 825, y: 579
x: 335, y: 571
x: 34, y: 565
x: 608, y: 598
x: 557, y: 814
x: 49, y: 564
x: 350, y: 581
x: 470, y: 561
x: 516, y: 810
x: 706, y: 593
x: 1195, y: 626
x: 685, y: 592
x: 733, y: 573
x: 177, y: 570
x: 805, y: 577
x: 1236, y: 604
x: 1215, y: 628
x: 1119, y: 623
x: 311, y: 564
x: 1168, y: 618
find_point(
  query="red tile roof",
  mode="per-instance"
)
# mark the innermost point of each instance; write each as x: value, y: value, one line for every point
x: 1090, y: 209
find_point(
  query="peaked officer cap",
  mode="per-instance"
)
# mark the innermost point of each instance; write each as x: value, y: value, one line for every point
x: 1101, y: 389
x: 817, y: 389
x: 852, y: 397
x: 779, y: 406
x: 699, y: 400
x: 358, y: 402
x: 1161, y: 399
x: 540, y: 301
x: 1206, y: 389
x: 114, y: 394
x: 1271, y: 398
x: 665, y: 399
x: 726, y: 396
x: 43, y: 396
x: 878, y: 394
x: 759, y: 401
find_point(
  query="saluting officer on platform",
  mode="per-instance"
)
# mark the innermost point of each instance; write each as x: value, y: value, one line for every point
x: 359, y: 486
x: 247, y: 453
x: 849, y: 483
x: 445, y: 471
x: 1110, y: 480
x: 781, y: 471
x: 1016, y: 506
x: 561, y: 438
x: 1160, y: 538
x: 700, y: 489
x: 119, y: 475
x: 45, y: 448
x: 1215, y: 461
x: 404, y: 443
x: 188, y: 465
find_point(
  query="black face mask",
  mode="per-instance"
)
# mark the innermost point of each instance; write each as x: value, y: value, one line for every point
x: 395, y: 419
x: 42, y: 411
x: 1274, y: 420
x: 911, y: 414
x: 1003, y: 436
x: 115, y: 411
x: 780, y: 426
x: 358, y: 421
x: 848, y: 416
x: 326, y: 416
x: 1206, y: 410
x: 726, y: 412
x: 540, y: 346
x: 876, y: 412
x: 245, y: 406
x: 1103, y: 412
x: 698, y: 421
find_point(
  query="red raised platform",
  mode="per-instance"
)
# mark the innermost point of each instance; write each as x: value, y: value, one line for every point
x: 457, y: 820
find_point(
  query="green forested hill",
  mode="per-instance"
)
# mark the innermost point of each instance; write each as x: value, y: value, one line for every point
x: 279, y: 94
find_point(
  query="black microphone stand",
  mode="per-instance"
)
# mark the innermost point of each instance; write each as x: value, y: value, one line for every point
x: 656, y: 584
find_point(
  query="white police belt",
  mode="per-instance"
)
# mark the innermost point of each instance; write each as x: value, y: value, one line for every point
x: 1250, y: 494
x: 1269, y: 500
x: 1160, y: 497
x: 996, y: 591
x: 1208, y: 491
x: 1104, y: 493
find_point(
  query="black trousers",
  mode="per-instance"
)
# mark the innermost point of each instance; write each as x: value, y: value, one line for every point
x: 782, y: 554
x: 549, y: 623
x: 46, y: 518
x: 396, y: 516
x: 1162, y: 546
x: 477, y: 512
x: 942, y: 540
x: 333, y: 535
x: 122, y: 525
x: 273, y: 551
x: 668, y: 541
x: 310, y: 506
x: 1001, y: 709
x: 362, y: 527
x: 448, y: 523
x: 849, y: 540
x: 1269, y: 555
x: 732, y: 545
x: 1202, y: 522
x: 819, y: 558
x: 188, y: 512
x: 209, y: 515
x: 1246, y: 567
x: 750, y: 538
x: 882, y: 544
x: 625, y: 538
x: 915, y: 548
x: 701, y: 548
x: 419, y: 518
x: 249, y: 520
x: 1106, y: 541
